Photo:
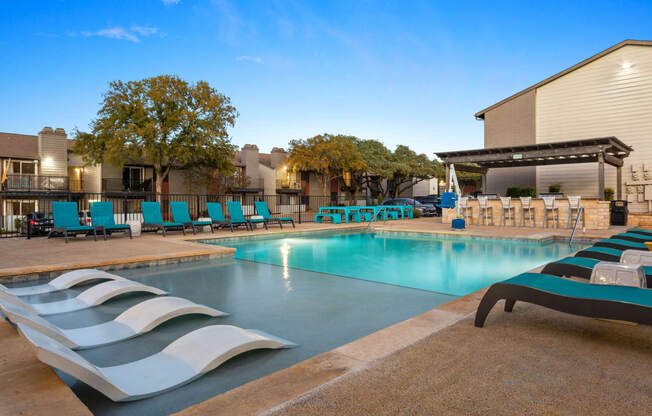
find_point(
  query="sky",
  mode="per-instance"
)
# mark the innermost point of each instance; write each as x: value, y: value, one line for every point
x: 402, y: 72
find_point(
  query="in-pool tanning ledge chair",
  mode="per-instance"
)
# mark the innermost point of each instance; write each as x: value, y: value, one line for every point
x: 181, y: 362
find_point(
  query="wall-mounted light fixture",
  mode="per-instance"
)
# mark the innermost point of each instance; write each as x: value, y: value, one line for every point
x: 48, y: 161
x: 626, y: 65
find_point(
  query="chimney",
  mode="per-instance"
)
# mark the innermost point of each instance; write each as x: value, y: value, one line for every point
x: 53, y: 152
x: 278, y: 157
x: 249, y: 158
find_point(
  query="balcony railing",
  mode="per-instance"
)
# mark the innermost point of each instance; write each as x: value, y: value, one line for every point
x: 36, y: 183
x: 285, y: 184
x: 120, y: 185
x: 235, y: 183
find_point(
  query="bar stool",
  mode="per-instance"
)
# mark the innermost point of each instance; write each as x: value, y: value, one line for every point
x: 466, y: 210
x: 527, y: 208
x: 508, y: 212
x: 486, y: 211
x: 574, y: 204
x: 550, y: 207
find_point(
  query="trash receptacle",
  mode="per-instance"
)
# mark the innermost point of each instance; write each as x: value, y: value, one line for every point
x: 618, y: 211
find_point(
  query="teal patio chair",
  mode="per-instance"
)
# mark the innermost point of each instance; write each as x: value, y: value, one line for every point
x: 217, y: 215
x: 263, y: 211
x: 152, y: 218
x: 66, y: 221
x: 180, y: 214
x: 238, y: 218
x: 102, y: 219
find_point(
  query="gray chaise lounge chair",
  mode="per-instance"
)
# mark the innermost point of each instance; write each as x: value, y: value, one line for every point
x: 94, y: 296
x: 65, y: 281
x: 139, y: 319
x: 181, y: 362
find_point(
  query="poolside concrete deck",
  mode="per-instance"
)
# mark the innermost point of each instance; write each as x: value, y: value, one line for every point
x: 533, y: 360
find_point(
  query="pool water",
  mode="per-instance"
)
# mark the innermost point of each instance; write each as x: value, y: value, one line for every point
x: 453, y: 266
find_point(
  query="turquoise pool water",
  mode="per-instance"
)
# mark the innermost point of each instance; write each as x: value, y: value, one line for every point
x: 453, y: 266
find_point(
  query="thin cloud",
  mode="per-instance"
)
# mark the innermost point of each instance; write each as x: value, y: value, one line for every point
x: 132, y: 34
x: 168, y: 2
x: 254, y: 59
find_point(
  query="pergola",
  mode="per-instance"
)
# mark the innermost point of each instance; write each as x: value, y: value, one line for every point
x: 602, y: 150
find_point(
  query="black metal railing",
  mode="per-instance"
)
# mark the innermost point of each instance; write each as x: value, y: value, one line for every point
x: 286, y: 184
x: 236, y: 183
x: 36, y: 183
x: 15, y: 209
x: 122, y: 185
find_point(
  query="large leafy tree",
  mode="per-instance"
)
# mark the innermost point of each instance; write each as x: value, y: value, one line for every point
x: 330, y: 156
x: 391, y: 173
x: 164, y: 121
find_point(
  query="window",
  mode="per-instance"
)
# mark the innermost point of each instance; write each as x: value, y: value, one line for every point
x: 132, y: 177
x: 22, y: 167
x: 17, y: 207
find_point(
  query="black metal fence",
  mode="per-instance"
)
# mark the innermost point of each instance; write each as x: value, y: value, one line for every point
x: 17, y: 210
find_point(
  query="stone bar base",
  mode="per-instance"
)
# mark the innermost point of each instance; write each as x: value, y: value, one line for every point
x: 596, y: 213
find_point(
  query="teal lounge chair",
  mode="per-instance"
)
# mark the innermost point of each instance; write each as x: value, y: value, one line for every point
x: 620, y: 244
x: 582, y: 267
x: 600, y: 253
x: 180, y: 214
x: 217, y: 215
x: 623, y: 303
x: 66, y: 221
x: 238, y: 218
x: 152, y: 218
x: 102, y: 219
x: 263, y: 211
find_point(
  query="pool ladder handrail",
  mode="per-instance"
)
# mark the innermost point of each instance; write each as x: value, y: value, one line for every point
x: 382, y: 208
x: 577, y: 220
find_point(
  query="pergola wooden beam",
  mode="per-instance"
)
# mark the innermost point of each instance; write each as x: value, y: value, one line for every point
x: 602, y: 150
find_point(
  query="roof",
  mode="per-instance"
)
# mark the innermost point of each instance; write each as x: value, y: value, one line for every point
x: 480, y: 114
x: 23, y: 146
x: 555, y: 153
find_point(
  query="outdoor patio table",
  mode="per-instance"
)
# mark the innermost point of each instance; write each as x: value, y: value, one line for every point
x: 345, y: 210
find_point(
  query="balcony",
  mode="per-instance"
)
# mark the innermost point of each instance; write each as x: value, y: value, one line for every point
x: 242, y: 184
x: 120, y: 185
x: 36, y: 183
x: 288, y: 185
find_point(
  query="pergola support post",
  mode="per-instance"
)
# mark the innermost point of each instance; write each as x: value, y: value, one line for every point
x: 448, y: 176
x: 601, y: 176
x: 619, y: 182
x: 484, y: 182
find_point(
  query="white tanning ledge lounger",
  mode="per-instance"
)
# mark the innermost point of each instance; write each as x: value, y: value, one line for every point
x: 137, y: 320
x: 65, y: 281
x: 184, y: 360
x: 94, y: 296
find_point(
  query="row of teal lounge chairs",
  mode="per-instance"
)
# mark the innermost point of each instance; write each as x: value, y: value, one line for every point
x: 552, y: 289
x: 66, y: 220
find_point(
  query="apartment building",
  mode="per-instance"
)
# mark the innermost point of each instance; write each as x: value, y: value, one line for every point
x: 608, y: 94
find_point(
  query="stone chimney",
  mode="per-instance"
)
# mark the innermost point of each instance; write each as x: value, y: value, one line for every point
x: 278, y: 157
x: 249, y: 158
x: 53, y: 152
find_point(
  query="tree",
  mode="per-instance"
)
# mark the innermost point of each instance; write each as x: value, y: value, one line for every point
x: 410, y: 168
x: 164, y: 121
x: 391, y: 173
x: 330, y: 156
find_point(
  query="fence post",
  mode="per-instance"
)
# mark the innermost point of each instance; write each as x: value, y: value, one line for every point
x: 300, y: 201
x: 124, y: 207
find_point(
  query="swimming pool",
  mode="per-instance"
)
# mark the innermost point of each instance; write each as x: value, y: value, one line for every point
x: 449, y: 265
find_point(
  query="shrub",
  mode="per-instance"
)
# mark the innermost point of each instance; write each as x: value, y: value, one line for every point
x: 517, y: 191
x: 417, y: 213
x: 555, y: 189
x: 608, y: 194
x: 18, y: 223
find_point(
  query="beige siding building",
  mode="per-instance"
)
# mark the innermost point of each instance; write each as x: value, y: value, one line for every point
x: 609, y: 94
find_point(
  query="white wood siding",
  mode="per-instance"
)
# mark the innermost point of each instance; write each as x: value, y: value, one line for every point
x: 53, y: 151
x: 603, y: 98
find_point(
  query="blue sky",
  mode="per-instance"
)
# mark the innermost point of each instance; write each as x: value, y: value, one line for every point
x: 402, y: 72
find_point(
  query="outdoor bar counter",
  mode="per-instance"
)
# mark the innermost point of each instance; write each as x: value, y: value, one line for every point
x: 596, y: 213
